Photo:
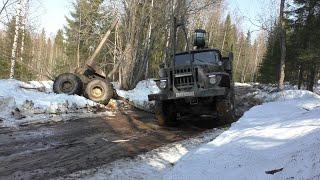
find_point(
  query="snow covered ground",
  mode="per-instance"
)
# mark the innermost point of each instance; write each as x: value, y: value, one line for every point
x: 36, y: 102
x: 139, y: 95
x: 276, y: 140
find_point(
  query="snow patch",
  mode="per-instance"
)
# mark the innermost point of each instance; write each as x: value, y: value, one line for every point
x: 139, y: 95
x: 242, y: 84
x: 22, y: 104
x: 46, y: 85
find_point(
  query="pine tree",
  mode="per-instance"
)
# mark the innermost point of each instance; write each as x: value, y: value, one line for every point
x: 229, y: 37
x: 304, y: 41
x: 59, y: 63
x: 84, y: 30
x: 269, y: 68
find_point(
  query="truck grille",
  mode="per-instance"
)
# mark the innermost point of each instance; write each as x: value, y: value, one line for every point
x: 184, y: 79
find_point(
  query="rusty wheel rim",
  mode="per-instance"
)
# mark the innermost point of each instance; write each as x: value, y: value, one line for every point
x: 97, y: 92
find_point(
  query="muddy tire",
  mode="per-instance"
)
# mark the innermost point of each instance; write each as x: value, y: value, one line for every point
x: 165, y: 113
x: 225, y: 110
x: 68, y: 83
x: 99, y: 90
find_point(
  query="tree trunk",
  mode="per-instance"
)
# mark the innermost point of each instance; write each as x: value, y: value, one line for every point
x: 312, y: 77
x: 283, y: 46
x: 224, y: 39
x: 23, y: 27
x: 238, y: 58
x: 15, y: 39
x: 300, y: 81
x: 78, y: 44
x: 137, y: 49
x: 149, y: 42
x: 115, y: 50
x: 253, y: 77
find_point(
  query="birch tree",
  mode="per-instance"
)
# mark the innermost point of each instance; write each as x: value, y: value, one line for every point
x: 20, y: 9
x: 283, y: 45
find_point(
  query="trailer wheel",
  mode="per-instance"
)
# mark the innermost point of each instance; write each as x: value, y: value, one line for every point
x: 165, y: 113
x: 68, y: 83
x: 99, y: 90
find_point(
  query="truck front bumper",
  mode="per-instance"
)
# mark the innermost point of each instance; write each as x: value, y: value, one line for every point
x: 217, y: 91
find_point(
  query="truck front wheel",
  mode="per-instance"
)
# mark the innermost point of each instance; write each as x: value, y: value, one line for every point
x: 165, y: 113
x: 225, y: 110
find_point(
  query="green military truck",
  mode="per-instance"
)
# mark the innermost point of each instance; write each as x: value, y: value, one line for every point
x: 197, y: 82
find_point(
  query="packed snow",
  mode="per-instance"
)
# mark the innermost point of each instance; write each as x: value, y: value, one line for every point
x: 139, y: 95
x: 22, y: 102
x: 275, y: 140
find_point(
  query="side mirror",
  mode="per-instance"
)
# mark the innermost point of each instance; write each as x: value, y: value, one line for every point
x: 227, y: 62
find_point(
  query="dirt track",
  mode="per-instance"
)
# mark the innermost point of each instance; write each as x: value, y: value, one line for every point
x: 56, y: 149
x: 51, y: 150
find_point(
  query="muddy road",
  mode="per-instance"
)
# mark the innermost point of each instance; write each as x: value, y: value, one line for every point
x: 52, y: 150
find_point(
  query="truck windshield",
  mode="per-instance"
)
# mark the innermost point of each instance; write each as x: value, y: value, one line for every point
x: 201, y: 58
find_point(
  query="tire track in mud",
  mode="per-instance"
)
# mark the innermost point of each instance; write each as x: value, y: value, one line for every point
x: 52, y: 150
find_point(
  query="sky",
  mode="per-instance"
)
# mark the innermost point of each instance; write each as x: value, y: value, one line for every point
x: 53, y: 14
x: 247, y: 9
x: 54, y: 11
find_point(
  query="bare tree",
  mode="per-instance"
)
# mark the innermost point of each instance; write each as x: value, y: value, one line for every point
x: 5, y: 4
x: 23, y: 28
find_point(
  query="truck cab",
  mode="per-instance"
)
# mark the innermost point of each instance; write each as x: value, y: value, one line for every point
x: 197, y: 82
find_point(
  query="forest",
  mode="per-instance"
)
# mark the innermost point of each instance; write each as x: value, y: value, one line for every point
x: 285, y: 49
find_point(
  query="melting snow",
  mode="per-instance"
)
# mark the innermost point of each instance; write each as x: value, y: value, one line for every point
x: 139, y: 95
x: 281, y: 137
x: 31, y: 104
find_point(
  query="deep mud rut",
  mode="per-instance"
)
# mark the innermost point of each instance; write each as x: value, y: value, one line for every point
x: 52, y: 150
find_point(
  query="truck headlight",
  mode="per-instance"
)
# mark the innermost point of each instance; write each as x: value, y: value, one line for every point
x: 163, y: 84
x: 212, y: 79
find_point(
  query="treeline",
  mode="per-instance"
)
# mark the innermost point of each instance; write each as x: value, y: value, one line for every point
x: 137, y: 46
x: 302, y: 30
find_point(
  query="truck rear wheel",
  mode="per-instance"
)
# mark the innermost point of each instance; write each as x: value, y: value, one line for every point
x: 99, y: 90
x: 166, y: 113
x: 68, y: 83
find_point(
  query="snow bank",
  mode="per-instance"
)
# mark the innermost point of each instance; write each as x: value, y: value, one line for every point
x: 139, y: 95
x: 45, y: 85
x: 276, y: 140
x: 19, y: 104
